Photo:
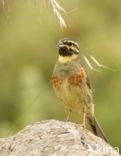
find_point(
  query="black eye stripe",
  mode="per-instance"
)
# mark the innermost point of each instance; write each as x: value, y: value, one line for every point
x: 70, y: 43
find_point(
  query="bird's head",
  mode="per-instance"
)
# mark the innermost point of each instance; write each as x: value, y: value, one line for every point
x: 68, y: 50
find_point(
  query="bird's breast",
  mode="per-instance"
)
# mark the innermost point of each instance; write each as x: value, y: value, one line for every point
x: 69, y: 93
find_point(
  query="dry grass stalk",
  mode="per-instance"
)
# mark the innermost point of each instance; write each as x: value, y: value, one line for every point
x: 58, y: 10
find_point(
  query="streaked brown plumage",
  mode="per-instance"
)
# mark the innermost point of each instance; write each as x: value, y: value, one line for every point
x: 71, y: 85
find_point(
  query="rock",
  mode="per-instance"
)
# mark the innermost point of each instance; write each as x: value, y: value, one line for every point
x: 55, y: 138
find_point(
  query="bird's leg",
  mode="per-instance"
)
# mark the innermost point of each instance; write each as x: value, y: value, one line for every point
x: 69, y: 115
x: 84, y: 118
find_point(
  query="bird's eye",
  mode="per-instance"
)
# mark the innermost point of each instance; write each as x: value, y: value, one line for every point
x: 70, y: 44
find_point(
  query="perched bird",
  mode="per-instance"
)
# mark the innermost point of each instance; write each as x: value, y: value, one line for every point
x: 72, y: 86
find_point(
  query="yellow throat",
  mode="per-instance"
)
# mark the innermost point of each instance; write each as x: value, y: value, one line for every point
x: 64, y: 59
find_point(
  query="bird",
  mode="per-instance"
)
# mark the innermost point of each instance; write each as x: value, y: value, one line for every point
x: 72, y: 86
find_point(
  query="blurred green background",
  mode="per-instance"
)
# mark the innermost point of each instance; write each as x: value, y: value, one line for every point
x: 29, y: 32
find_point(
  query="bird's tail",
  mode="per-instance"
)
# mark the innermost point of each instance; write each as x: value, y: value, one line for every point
x: 97, y: 130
